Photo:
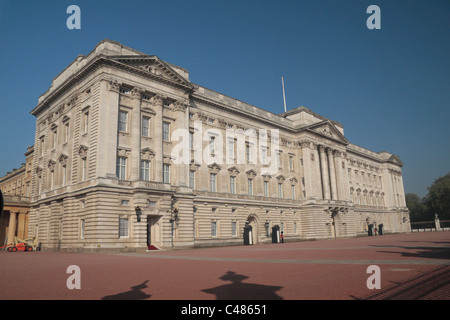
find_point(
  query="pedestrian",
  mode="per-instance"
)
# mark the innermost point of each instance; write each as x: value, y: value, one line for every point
x: 282, y: 237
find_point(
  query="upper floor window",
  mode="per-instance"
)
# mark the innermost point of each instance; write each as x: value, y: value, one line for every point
x: 123, y: 119
x: 145, y: 170
x: 212, y: 180
x: 166, y: 131
x: 145, y: 126
x: 233, y: 184
x: 66, y: 132
x: 121, y: 168
x: 166, y: 173
x: 85, y: 121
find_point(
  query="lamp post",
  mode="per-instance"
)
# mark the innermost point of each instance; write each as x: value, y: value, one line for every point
x: 138, y: 213
x: 173, y: 218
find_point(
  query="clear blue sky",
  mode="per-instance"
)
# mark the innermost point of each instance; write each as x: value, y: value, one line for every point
x: 390, y: 88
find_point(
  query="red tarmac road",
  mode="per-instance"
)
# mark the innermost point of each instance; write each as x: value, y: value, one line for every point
x: 413, y: 266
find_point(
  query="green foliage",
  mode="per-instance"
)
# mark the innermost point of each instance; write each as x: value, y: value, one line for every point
x: 436, y: 201
x: 438, y: 197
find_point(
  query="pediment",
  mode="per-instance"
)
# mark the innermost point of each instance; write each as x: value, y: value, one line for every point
x: 233, y: 170
x: 395, y: 159
x: 215, y: 167
x: 147, y: 154
x: 328, y: 130
x: 251, y: 173
x: 152, y: 65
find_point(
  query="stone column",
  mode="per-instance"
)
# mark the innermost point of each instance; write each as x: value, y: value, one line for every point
x: 324, y: 172
x: 107, y: 134
x: 21, y: 225
x: 332, y: 174
x: 135, y: 134
x: 182, y: 123
x: 307, y: 168
x: 12, y: 226
x: 157, y: 102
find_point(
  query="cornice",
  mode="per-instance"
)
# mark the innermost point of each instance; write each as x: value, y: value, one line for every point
x: 242, y: 113
x: 100, y: 61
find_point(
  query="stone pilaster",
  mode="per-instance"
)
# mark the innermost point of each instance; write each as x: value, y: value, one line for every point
x: 157, y: 102
x: 324, y: 173
x: 135, y: 133
x: 332, y: 174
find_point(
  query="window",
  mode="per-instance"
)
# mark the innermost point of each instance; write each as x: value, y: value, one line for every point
x: 86, y: 121
x: 264, y: 155
x: 214, y: 229
x: 233, y: 229
x: 192, y: 179
x: 52, y: 179
x: 145, y: 170
x: 145, y: 127
x: 123, y: 227
x: 166, y: 131
x: 121, y: 168
x: 64, y: 176
x: 82, y: 228
x: 123, y: 118
x: 248, y: 151
x: 278, y: 159
x: 54, y: 138
x: 191, y: 140
x: 41, y: 146
x: 280, y: 190
x: 250, y: 187
x: 212, y: 182
x: 266, y: 188
x: 231, y: 151
x: 233, y: 184
x: 212, y: 144
x: 166, y: 173
x: 291, y: 163
x: 83, y: 169
x: 66, y: 132
x: 293, y: 192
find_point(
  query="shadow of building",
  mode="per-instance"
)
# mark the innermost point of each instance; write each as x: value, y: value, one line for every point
x: 135, y: 293
x: 238, y: 290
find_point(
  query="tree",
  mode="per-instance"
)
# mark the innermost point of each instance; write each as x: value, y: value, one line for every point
x: 438, y: 197
x: 416, y: 207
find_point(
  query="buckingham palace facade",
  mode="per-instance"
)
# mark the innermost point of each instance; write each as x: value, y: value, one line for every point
x: 129, y: 153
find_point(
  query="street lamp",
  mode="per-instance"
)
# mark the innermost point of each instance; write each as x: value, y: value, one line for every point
x: 138, y: 213
x: 174, y: 216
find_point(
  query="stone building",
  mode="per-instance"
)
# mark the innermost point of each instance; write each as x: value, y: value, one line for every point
x: 16, y: 191
x: 129, y: 153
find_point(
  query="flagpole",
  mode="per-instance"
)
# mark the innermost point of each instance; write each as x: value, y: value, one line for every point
x: 284, y: 96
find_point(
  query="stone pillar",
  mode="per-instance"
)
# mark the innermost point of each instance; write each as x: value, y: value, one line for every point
x: 135, y: 133
x: 107, y: 136
x: 157, y: 102
x: 324, y: 172
x: 12, y: 226
x: 307, y: 168
x: 332, y: 174
x: 21, y: 225
x: 182, y: 123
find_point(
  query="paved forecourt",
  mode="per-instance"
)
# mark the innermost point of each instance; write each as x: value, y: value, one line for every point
x: 411, y: 266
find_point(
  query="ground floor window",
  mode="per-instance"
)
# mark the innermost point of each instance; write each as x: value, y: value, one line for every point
x: 123, y: 227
